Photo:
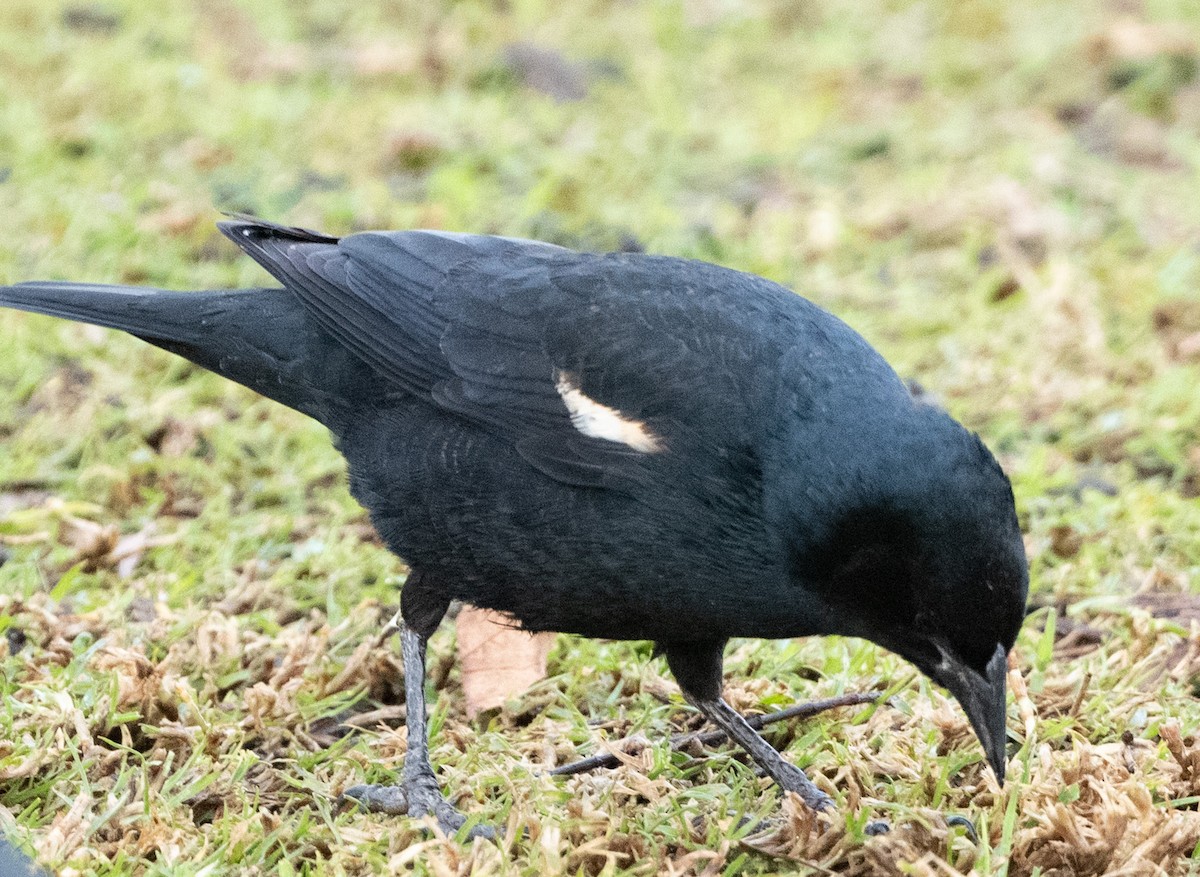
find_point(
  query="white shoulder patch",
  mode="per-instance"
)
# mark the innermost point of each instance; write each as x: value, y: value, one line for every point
x: 599, y: 421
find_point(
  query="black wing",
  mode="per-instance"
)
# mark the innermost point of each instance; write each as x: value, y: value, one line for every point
x: 590, y: 364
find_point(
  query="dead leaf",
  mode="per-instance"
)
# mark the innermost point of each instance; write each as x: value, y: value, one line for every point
x: 91, y: 541
x: 172, y: 438
x: 1065, y: 540
x: 498, y: 659
x: 68, y: 830
x: 1182, y: 749
x: 176, y: 220
x: 1128, y: 39
x: 1120, y: 134
x: 1177, y: 324
x: 101, y: 546
x: 413, y: 150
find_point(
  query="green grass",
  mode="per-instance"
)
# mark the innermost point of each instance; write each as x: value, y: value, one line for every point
x: 1002, y: 196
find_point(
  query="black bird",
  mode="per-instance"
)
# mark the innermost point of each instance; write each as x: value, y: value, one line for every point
x: 620, y: 445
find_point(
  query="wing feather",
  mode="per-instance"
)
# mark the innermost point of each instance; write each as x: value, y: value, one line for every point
x: 485, y: 327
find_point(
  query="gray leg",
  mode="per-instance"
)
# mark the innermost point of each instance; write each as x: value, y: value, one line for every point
x: 697, y: 667
x: 786, y: 774
x: 418, y: 793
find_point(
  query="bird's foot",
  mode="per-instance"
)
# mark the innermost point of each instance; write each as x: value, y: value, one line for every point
x: 792, y: 779
x: 417, y: 797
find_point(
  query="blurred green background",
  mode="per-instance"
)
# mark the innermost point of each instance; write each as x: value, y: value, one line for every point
x: 1001, y: 196
x: 916, y: 167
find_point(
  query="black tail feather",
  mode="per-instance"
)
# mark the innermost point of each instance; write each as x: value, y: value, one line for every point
x: 141, y: 311
x: 261, y: 338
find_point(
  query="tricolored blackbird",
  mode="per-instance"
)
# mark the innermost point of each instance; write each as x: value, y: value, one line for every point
x: 616, y: 445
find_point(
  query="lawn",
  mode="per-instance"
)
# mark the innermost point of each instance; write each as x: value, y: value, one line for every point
x: 1003, y: 197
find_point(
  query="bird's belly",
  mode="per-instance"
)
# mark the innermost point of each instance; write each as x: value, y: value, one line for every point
x: 464, y: 507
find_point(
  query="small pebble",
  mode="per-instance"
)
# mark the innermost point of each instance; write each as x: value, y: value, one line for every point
x: 16, y: 640
x: 877, y: 827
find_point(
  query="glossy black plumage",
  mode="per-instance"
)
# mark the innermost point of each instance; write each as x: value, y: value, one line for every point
x: 618, y: 445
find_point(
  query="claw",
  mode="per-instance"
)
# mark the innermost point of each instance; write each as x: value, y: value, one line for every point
x: 378, y: 799
x: 793, y: 779
x: 420, y: 800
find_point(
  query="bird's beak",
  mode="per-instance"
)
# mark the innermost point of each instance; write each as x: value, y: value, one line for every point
x: 983, y: 700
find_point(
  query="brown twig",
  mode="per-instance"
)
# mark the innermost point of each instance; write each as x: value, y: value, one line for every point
x: 709, y: 738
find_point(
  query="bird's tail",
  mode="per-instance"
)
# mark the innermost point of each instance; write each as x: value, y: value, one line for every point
x: 261, y: 338
x: 142, y: 311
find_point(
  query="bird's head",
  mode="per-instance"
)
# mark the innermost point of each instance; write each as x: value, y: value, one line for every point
x: 928, y: 561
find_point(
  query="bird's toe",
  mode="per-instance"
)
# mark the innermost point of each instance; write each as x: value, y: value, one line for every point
x: 416, y: 799
x: 793, y: 779
x: 451, y: 820
x: 391, y: 800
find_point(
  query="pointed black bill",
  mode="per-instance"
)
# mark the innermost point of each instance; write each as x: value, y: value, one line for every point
x: 983, y: 699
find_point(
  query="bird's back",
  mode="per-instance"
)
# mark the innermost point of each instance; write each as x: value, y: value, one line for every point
x: 477, y: 467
